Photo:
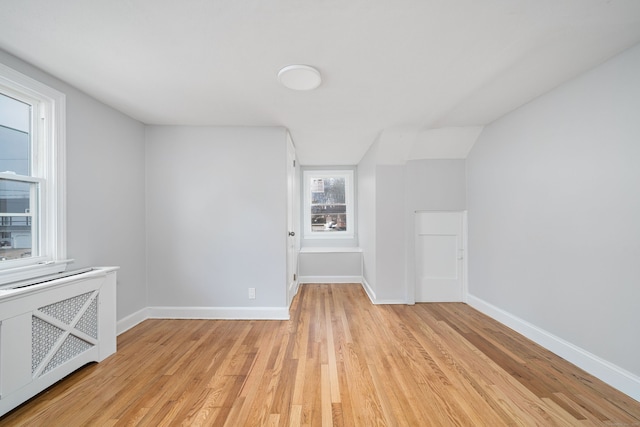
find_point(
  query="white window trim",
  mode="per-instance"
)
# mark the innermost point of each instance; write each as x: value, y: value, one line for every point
x: 53, y: 165
x: 349, y: 198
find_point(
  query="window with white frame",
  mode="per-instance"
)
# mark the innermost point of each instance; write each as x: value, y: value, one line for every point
x: 328, y: 204
x: 32, y: 214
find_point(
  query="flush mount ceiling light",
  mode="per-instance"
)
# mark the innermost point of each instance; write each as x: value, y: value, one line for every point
x: 299, y: 77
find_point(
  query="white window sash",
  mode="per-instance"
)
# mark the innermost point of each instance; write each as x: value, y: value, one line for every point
x: 49, y: 165
x: 308, y: 175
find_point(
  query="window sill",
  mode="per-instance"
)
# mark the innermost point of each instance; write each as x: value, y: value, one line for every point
x: 337, y: 235
x: 312, y: 250
x: 12, y: 275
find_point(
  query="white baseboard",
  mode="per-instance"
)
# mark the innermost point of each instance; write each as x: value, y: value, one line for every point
x: 293, y: 289
x: 372, y: 295
x: 220, y: 313
x: 131, y: 320
x: 330, y: 279
x: 368, y: 290
x: 611, y: 374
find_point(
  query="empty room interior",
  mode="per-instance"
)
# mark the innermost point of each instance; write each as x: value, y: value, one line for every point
x: 296, y: 213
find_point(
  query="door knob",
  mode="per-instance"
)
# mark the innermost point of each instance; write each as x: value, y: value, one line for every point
x: 292, y: 233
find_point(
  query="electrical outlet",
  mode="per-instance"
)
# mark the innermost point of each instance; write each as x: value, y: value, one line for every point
x: 252, y: 293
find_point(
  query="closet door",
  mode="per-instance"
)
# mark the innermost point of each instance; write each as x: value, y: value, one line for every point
x: 439, y: 256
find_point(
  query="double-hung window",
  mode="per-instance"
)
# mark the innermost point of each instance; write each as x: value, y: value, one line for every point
x: 328, y: 204
x: 32, y: 217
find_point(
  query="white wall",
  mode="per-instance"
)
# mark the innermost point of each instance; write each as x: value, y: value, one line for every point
x: 554, y: 212
x: 390, y: 226
x: 367, y: 214
x: 432, y: 185
x: 105, y: 188
x: 389, y: 196
x: 331, y: 266
x: 436, y: 185
x: 216, y: 216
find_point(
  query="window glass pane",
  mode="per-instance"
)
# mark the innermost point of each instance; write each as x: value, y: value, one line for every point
x: 327, y: 190
x: 328, y: 204
x: 16, y: 220
x: 15, y: 119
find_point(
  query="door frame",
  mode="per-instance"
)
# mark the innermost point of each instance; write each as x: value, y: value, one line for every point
x: 465, y: 254
x: 293, y: 221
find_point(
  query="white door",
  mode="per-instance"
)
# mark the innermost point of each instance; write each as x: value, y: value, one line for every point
x: 439, y: 256
x: 292, y: 238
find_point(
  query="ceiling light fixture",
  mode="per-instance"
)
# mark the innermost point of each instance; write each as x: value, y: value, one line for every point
x: 299, y: 77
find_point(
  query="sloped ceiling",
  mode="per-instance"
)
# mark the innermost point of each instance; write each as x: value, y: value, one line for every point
x: 394, y: 64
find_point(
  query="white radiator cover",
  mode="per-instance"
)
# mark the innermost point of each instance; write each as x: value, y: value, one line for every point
x: 49, y: 330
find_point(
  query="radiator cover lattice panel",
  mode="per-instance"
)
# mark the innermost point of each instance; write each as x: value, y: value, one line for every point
x: 88, y: 323
x: 71, y: 347
x: 66, y: 310
x: 62, y: 331
x: 44, y: 337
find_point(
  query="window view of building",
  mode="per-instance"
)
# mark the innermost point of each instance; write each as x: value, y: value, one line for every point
x: 328, y: 204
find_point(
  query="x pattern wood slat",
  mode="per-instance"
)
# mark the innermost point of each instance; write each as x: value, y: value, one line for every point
x: 339, y: 361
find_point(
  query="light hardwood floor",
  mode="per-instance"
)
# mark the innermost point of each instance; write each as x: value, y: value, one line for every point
x: 339, y: 361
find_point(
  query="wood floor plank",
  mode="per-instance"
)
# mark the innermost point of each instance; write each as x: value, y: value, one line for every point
x: 332, y: 366
x: 295, y: 418
x: 339, y: 361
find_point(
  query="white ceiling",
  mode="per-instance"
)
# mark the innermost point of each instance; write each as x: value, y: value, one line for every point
x: 414, y: 65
